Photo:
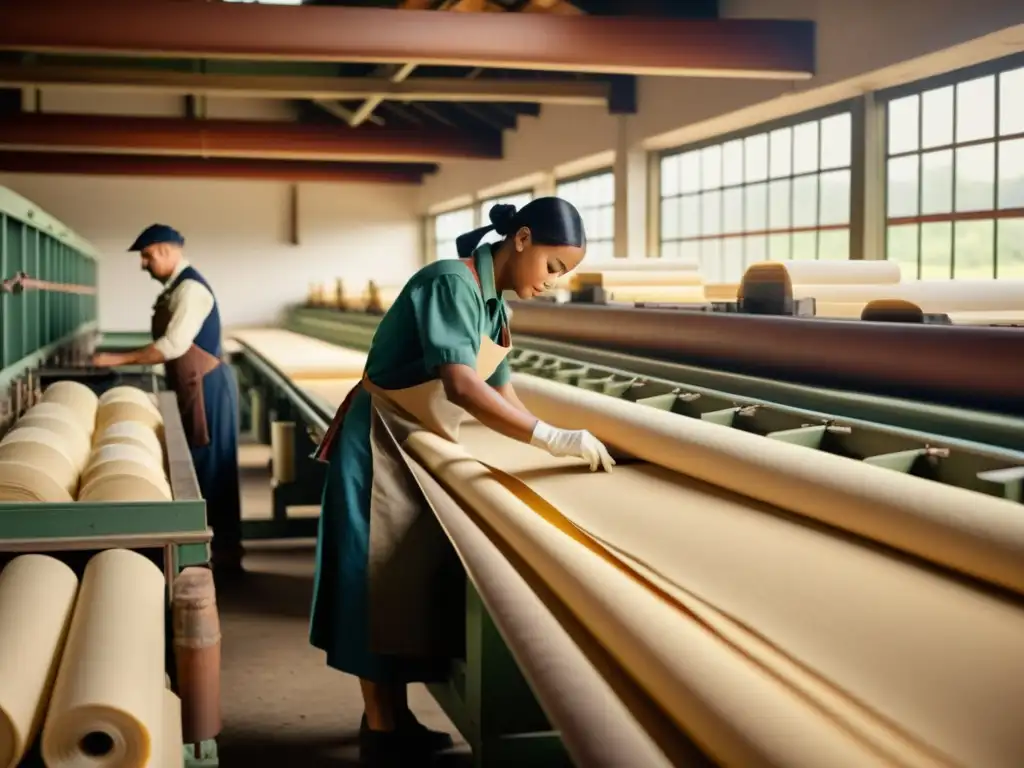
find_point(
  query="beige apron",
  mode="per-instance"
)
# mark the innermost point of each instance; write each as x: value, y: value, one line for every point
x: 416, y: 587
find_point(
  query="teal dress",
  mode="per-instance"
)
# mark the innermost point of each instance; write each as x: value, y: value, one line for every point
x: 437, y: 319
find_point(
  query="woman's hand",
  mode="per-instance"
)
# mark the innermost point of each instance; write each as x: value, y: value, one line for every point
x: 578, y: 443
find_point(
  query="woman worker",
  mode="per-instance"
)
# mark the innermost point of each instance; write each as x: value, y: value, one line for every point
x: 438, y: 352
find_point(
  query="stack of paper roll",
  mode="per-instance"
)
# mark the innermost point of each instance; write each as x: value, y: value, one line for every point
x: 378, y: 299
x: 43, y: 455
x: 127, y: 460
x: 84, y: 666
x: 677, y: 286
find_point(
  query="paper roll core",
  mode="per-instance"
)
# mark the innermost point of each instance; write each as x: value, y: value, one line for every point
x: 96, y: 744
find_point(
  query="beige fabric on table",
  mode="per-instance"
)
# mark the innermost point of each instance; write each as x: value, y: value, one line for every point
x: 861, y: 272
x: 37, y: 595
x: 332, y: 391
x: 930, y: 296
x: 408, y: 567
x: 133, y: 433
x: 111, y: 676
x: 925, y: 667
x: 685, y: 294
x: 124, y: 487
x: 637, y: 279
x: 303, y: 357
x: 979, y: 535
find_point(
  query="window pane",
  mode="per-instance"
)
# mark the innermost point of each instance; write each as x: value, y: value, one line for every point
x: 670, y: 250
x: 904, y: 124
x: 805, y: 246
x: 711, y: 167
x: 670, y: 219
x: 836, y: 140
x: 756, y: 248
x: 835, y: 198
x: 604, y: 223
x: 834, y: 245
x: 937, y: 182
x: 755, y: 157
x: 1010, y: 262
x: 732, y: 259
x: 711, y: 213
x: 711, y: 260
x: 901, y: 247
x: 975, y: 177
x: 689, y: 252
x: 755, y: 208
x: 732, y: 163
x: 972, y: 256
x: 805, y: 201
x: 670, y: 176
x: 805, y: 148
x: 1011, y: 105
x: 1011, y: 173
x: 689, y: 172
x: 936, y: 250
x: 690, y: 219
x: 902, y: 186
x: 937, y: 117
x: 781, y: 152
x: 779, y: 199
x: 778, y: 247
x: 604, y: 189
x: 732, y: 210
x: 976, y: 109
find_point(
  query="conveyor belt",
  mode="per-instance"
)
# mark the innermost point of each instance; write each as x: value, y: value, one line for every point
x: 720, y: 607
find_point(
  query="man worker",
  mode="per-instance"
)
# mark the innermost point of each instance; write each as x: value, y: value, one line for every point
x: 186, y: 333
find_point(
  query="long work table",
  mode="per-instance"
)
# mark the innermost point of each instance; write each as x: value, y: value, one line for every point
x: 654, y: 615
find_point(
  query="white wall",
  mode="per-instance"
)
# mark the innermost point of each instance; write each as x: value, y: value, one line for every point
x: 237, y: 235
x: 237, y: 232
x: 861, y: 46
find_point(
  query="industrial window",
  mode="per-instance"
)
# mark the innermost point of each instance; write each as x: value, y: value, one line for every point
x: 594, y: 198
x: 518, y: 200
x: 779, y: 193
x: 955, y: 181
x: 447, y: 227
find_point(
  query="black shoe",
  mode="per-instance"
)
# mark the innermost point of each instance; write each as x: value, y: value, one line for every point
x: 411, y: 737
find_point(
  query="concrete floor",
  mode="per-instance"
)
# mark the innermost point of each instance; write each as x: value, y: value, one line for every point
x: 282, y: 706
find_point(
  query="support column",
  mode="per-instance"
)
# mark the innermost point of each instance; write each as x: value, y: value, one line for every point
x: 631, y: 193
x: 867, y: 181
x: 546, y: 186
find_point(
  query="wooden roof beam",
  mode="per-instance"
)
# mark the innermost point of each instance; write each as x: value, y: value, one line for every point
x: 95, y: 164
x: 242, y: 138
x: 542, y: 41
x: 572, y: 92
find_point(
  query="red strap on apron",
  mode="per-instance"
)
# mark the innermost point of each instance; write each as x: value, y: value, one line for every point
x: 322, y: 452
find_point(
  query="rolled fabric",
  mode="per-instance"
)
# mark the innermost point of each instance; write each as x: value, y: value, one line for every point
x: 78, y: 397
x: 44, y: 450
x: 123, y: 487
x: 970, y: 532
x: 133, y: 433
x: 107, y: 707
x: 24, y: 482
x: 125, y: 410
x: 59, y: 411
x: 37, y: 595
x: 76, y: 443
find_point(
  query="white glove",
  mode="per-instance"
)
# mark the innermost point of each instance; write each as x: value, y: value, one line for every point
x: 577, y: 443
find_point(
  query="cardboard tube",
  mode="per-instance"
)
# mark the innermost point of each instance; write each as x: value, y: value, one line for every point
x: 282, y: 451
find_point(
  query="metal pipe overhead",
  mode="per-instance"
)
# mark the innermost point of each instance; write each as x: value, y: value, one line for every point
x: 241, y: 138
x: 623, y: 45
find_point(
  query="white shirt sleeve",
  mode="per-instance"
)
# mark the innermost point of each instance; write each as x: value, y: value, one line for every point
x: 191, y: 302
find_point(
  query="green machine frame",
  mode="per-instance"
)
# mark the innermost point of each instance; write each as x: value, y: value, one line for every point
x: 36, y: 327
x: 36, y: 324
x: 487, y: 696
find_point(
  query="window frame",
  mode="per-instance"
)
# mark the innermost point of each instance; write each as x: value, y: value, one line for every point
x: 844, y: 107
x: 992, y: 68
x: 434, y: 240
x: 575, y: 178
